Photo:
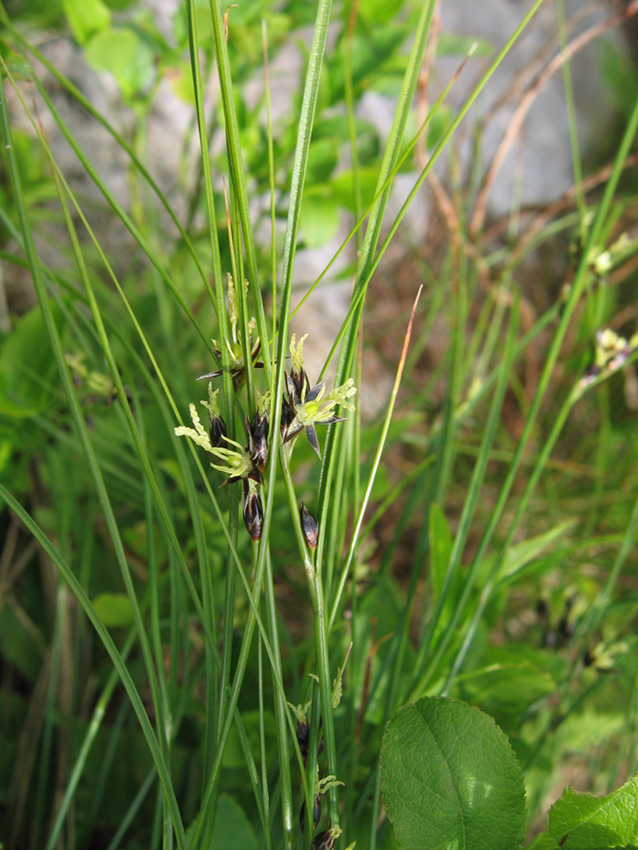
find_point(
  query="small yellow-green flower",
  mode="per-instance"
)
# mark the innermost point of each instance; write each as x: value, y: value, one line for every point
x: 304, y: 408
x: 235, y: 463
x: 307, y: 408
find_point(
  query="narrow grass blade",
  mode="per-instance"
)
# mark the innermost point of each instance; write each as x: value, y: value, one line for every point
x: 352, y: 549
x: 116, y: 658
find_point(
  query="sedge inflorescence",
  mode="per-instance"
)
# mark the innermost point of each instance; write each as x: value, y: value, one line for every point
x: 303, y: 407
x: 611, y: 353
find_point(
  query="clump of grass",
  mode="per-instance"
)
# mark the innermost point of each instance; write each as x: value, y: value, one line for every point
x: 200, y: 710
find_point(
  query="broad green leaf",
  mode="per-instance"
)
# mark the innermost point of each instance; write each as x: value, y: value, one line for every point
x: 27, y: 367
x: 438, y: 125
x: 202, y: 24
x: 440, y: 547
x: 319, y: 219
x: 6, y: 448
x: 86, y: 17
x: 181, y: 82
x: 234, y: 756
x: 119, y: 5
x: 20, y: 641
x: 40, y: 14
x: 441, y: 542
x: 584, y: 822
x: 378, y: 614
x: 450, y: 779
x: 543, y: 660
x: 575, y: 732
x: 114, y: 609
x: 322, y: 160
x: 519, y: 557
x: 505, y: 687
x: 232, y: 830
x: 370, y: 50
x: 124, y: 54
x: 343, y: 187
x: 379, y: 11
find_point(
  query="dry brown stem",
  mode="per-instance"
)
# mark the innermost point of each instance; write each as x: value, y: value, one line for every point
x: 526, y: 101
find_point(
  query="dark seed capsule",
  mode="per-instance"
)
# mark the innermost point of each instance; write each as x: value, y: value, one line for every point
x: 301, y: 382
x: 310, y: 527
x: 253, y: 512
x: 258, y: 440
x: 217, y: 432
x: 324, y: 840
x: 303, y: 738
x: 287, y: 418
x: 316, y: 813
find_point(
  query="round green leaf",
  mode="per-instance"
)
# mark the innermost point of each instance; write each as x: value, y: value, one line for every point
x: 505, y: 688
x: 27, y: 367
x: 114, y: 609
x: 125, y: 55
x: 232, y: 830
x: 319, y: 218
x: 86, y: 17
x: 450, y: 779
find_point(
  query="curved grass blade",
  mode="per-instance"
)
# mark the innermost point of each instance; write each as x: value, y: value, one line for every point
x: 122, y: 144
x: 82, y: 431
x: 119, y: 211
x: 116, y: 658
x: 352, y: 549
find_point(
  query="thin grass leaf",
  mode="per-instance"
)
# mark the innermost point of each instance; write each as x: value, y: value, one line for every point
x: 582, y: 276
x: 81, y: 428
x: 116, y: 658
x: 375, y: 467
x: 89, y: 738
x: 469, y: 509
x: 237, y: 171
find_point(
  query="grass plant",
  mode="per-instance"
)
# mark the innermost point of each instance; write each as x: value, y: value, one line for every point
x: 264, y: 619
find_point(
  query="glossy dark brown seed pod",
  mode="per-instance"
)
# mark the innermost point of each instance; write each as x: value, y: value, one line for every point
x: 309, y: 526
x: 253, y: 512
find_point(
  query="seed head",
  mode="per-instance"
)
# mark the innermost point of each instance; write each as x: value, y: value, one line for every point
x: 326, y: 840
x: 309, y: 407
x: 316, y: 813
x: 235, y: 462
x: 253, y: 510
x: 297, y: 372
x: 309, y: 526
x: 217, y: 427
x: 257, y: 431
x: 303, y: 737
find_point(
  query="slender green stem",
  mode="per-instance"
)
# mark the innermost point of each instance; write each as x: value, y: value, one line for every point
x: 220, y: 21
x: 285, y: 781
x: 571, y: 113
x: 97, y: 477
x: 116, y: 658
x: 315, y: 587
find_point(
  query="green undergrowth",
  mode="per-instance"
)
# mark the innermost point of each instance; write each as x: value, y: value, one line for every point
x: 249, y: 603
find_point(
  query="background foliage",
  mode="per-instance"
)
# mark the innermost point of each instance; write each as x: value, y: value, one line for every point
x: 166, y: 680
